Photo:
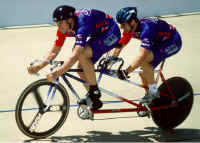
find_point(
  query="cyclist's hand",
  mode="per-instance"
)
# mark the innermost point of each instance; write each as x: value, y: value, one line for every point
x: 51, y: 77
x: 123, y: 74
x: 106, y: 62
x: 33, y: 69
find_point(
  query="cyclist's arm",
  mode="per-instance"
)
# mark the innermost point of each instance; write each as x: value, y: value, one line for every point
x: 80, y: 43
x: 54, y: 51
x: 50, y: 56
x: 116, y: 51
x: 69, y: 62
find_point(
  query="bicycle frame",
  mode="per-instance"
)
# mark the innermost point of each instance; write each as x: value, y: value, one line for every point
x: 111, y: 73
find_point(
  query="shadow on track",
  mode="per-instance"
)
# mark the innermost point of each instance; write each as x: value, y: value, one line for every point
x: 149, y: 134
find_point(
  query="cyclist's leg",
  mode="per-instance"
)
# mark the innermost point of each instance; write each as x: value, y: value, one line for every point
x: 89, y: 75
x: 166, y: 50
x: 148, y: 70
x: 83, y: 77
x: 160, y: 53
x: 96, y: 47
x: 87, y: 65
x: 147, y: 76
x: 144, y: 82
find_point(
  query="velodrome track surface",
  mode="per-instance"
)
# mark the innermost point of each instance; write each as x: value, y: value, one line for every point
x: 19, y: 46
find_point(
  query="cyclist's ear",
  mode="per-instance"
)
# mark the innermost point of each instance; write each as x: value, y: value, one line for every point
x: 70, y: 19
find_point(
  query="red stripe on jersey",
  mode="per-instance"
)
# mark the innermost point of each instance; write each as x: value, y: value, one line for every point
x: 126, y: 37
x: 60, y: 38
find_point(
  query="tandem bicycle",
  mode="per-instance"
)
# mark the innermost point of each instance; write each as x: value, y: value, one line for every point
x: 52, y: 99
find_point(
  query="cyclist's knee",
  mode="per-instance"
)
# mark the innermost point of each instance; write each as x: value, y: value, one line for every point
x: 86, y: 54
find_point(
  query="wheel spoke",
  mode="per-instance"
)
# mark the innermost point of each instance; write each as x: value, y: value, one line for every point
x: 38, y: 98
x: 34, y: 124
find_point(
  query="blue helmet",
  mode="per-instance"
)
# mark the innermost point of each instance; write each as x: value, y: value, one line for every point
x: 63, y: 12
x: 124, y: 14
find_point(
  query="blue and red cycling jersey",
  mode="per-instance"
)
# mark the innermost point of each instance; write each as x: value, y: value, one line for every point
x: 89, y: 23
x: 152, y: 31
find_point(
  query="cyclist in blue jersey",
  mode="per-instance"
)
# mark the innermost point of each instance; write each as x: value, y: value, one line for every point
x: 95, y: 32
x: 159, y: 40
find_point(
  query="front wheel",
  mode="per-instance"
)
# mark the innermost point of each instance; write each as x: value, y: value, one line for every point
x: 171, y: 117
x: 42, y: 109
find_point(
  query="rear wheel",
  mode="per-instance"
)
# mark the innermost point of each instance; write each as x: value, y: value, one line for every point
x: 173, y: 116
x: 34, y: 117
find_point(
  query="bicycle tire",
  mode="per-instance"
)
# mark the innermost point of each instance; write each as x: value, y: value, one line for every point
x: 170, y: 118
x: 19, y: 109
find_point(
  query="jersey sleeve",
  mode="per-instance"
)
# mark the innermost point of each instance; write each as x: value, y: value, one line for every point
x: 60, y: 39
x: 126, y: 37
x: 147, y: 37
x: 81, y: 36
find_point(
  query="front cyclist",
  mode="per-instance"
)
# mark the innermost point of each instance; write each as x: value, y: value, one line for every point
x: 159, y: 40
x: 103, y: 34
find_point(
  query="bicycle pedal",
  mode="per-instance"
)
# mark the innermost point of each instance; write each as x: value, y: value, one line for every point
x: 84, y: 112
x: 143, y: 114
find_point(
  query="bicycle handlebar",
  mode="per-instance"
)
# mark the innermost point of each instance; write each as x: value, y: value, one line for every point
x: 54, y: 64
x: 102, y: 63
x: 51, y: 62
x: 110, y: 61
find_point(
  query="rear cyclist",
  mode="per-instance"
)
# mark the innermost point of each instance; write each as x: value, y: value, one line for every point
x: 159, y: 40
x: 103, y: 34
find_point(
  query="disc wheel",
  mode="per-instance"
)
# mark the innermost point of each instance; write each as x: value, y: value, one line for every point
x: 33, y: 115
x: 171, y: 117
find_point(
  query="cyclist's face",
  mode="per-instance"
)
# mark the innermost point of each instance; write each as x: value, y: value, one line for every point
x: 133, y: 25
x: 126, y: 27
x: 129, y: 27
x: 64, y: 26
